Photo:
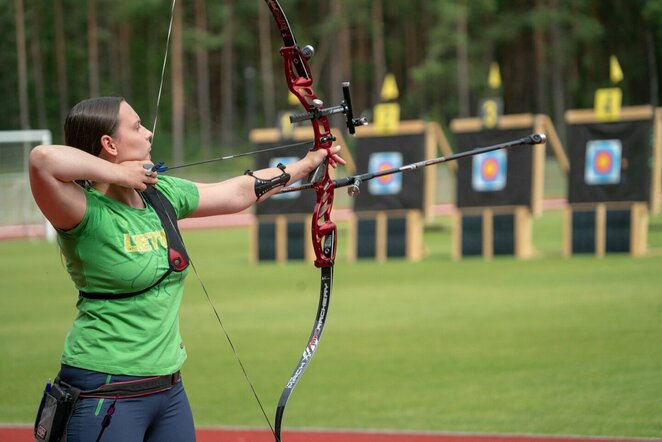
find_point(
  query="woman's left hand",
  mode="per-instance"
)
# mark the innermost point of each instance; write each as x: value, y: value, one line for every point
x: 317, y: 156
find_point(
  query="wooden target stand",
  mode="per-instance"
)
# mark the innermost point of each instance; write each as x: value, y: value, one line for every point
x: 475, y: 231
x: 398, y: 233
x: 286, y: 237
x: 281, y: 238
x: 505, y: 230
x: 604, y: 227
x: 381, y: 235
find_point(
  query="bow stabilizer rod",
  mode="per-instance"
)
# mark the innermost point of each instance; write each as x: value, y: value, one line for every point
x: 354, y: 182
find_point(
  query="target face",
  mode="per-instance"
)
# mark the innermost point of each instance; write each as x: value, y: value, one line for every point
x: 488, y: 171
x: 388, y: 184
x: 603, y: 162
x: 273, y: 162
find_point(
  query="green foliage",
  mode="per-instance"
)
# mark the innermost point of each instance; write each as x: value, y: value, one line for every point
x: 420, y: 40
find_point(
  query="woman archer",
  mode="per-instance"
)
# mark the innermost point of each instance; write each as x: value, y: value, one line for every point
x: 124, y: 351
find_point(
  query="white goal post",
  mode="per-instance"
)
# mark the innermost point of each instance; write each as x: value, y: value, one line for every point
x: 19, y: 215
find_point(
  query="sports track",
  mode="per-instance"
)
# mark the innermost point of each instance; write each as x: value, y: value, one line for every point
x: 24, y: 434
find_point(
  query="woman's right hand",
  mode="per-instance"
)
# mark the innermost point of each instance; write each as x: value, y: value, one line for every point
x: 137, y: 175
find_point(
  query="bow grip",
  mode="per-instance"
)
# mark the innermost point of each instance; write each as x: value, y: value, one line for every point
x: 318, y: 174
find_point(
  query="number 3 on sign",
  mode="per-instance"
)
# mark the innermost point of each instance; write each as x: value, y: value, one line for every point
x: 607, y: 104
x: 490, y: 111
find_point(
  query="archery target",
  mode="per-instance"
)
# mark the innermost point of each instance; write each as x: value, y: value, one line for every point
x: 489, y: 171
x: 388, y: 184
x: 603, y: 162
x: 273, y: 162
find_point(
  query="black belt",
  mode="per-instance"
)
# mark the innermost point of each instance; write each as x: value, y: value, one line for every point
x: 134, y: 388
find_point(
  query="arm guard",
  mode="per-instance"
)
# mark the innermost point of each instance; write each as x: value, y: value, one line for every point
x: 264, y: 186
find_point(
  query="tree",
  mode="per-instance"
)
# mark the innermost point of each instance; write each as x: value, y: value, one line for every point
x: 93, y: 48
x: 202, y: 75
x: 378, y: 51
x: 177, y: 84
x: 266, y: 66
x: 227, y: 77
x: 38, y: 64
x: 61, y: 60
x: 22, y: 64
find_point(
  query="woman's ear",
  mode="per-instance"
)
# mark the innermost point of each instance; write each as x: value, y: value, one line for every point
x: 108, y: 147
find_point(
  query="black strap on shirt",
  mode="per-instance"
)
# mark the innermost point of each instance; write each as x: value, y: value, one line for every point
x: 178, y: 259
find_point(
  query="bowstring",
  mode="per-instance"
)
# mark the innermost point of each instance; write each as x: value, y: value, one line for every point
x: 243, y: 154
x: 195, y: 271
x: 163, y: 69
x: 220, y: 322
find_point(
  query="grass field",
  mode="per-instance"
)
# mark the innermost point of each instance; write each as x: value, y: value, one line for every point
x: 542, y: 346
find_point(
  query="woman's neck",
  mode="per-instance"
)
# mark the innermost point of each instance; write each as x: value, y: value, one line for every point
x: 122, y: 194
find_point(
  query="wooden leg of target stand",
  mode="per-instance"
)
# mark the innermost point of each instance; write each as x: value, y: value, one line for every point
x: 600, y: 230
x: 638, y: 229
x: 488, y: 234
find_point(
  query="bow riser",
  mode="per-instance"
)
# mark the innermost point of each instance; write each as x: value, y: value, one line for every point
x: 322, y: 226
x: 300, y: 83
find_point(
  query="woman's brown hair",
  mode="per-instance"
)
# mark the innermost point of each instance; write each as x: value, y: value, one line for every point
x: 89, y: 120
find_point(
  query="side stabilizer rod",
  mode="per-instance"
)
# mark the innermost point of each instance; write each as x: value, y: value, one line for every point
x: 354, y: 182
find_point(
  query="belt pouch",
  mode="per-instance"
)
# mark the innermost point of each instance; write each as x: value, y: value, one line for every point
x: 54, y: 412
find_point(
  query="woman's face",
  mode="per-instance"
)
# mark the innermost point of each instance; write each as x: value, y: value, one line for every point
x: 133, y: 140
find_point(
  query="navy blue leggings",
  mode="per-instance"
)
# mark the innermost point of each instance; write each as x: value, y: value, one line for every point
x: 163, y: 417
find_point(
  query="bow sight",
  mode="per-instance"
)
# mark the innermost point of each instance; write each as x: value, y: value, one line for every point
x: 318, y: 110
x: 345, y: 107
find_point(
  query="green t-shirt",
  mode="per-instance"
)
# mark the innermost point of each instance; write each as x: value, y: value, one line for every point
x: 120, y: 249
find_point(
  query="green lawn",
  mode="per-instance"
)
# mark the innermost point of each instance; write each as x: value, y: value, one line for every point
x: 547, y: 345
